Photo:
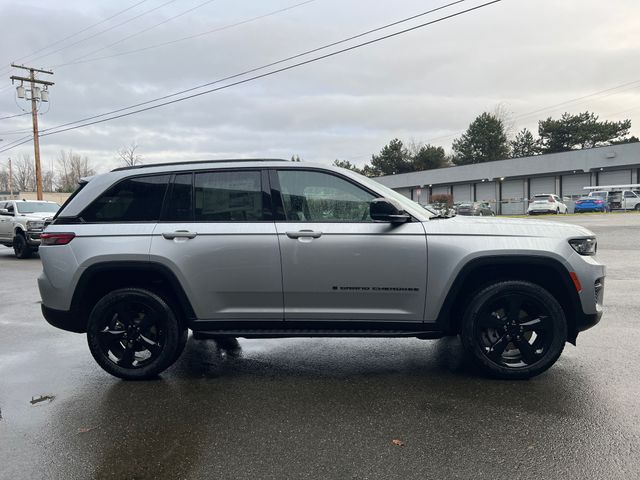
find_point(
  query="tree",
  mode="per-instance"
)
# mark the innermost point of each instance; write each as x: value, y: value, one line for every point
x: 72, y: 167
x: 583, y: 130
x: 129, y: 157
x: 393, y: 158
x: 24, y: 174
x: 346, y: 164
x: 428, y: 157
x: 524, y: 145
x: 295, y: 158
x: 484, y: 141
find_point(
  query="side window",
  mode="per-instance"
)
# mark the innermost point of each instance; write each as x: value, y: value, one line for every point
x: 629, y: 194
x: 228, y: 196
x: 178, y: 207
x: 310, y: 196
x: 132, y: 200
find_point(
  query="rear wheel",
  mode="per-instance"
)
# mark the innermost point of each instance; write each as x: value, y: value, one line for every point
x: 637, y: 207
x: 134, y: 334
x: 21, y: 248
x: 514, y: 329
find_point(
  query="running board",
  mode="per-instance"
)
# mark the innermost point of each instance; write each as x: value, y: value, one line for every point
x: 304, y: 332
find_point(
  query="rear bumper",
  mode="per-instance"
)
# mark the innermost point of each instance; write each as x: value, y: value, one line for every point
x: 63, y: 319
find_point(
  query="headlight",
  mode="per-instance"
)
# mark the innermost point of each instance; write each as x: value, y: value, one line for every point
x: 584, y: 246
x: 35, y: 225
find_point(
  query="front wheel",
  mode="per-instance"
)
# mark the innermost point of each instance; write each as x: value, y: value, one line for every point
x: 637, y: 208
x: 21, y: 248
x: 514, y: 329
x: 134, y: 334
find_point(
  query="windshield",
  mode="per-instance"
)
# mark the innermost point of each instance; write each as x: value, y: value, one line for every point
x: 31, y: 207
x: 598, y: 194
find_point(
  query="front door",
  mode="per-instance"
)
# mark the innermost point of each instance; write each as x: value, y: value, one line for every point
x: 217, y: 235
x: 6, y: 222
x: 337, y: 263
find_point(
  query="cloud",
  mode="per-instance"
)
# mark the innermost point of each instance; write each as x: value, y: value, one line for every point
x: 424, y: 85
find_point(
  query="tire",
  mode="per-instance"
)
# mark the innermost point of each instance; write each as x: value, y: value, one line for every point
x: 134, y: 334
x: 557, y: 211
x: 21, y: 248
x: 518, y: 310
x: 637, y: 207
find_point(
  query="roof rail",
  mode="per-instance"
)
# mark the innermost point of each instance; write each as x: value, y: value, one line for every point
x: 228, y: 160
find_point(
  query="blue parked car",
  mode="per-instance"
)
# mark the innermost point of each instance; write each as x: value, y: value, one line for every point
x: 591, y: 204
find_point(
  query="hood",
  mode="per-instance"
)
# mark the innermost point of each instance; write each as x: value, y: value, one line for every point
x: 508, y: 227
x: 37, y: 215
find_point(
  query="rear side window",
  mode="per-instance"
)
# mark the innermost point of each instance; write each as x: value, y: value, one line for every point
x: 133, y: 200
x: 228, y: 196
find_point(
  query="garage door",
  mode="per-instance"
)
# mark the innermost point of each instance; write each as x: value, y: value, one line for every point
x: 615, y: 177
x: 542, y: 185
x: 440, y: 191
x: 486, y: 192
x: 462, y: 193
x: 512, y: 197
x: 573, y: 185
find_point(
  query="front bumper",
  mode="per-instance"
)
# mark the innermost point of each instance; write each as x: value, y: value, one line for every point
x: 33, y: 237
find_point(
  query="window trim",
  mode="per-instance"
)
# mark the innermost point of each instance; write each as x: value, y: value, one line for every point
x: 276, y: 193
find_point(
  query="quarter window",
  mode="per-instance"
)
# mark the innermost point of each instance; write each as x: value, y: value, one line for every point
x: 228, y: 196
x: 133, y: 200
x: 309, y: 196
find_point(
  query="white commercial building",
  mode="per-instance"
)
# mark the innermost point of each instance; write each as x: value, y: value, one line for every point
x: 508, y: 184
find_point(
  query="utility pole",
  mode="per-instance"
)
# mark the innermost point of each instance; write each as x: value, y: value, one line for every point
x: 36, y: 96
x: 10, y: 180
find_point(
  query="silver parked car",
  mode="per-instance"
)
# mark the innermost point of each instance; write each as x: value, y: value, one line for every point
x: 271, y: 249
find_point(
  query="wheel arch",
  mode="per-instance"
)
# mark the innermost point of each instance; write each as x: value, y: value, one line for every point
x: 481, y: 272
x: 101, y: 278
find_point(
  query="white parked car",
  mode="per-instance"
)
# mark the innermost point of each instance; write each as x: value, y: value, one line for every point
x: 546, y: 203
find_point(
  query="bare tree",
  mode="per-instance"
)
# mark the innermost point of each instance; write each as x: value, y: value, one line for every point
x: 128, y: 155
x: 24, y: 174
x: 4, y: 179
x: 502, y: 113
x: 72, y: 168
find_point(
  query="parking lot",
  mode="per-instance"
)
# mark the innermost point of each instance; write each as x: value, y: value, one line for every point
x: 324, y: 408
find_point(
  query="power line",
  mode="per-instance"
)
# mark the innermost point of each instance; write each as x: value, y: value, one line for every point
x: 279, y: 70
x: 57, y: 42
x: 135, y: 34
x: 16, y: 143
x: 16, y: 115
x: 252, y: 70
x: 189, y: 37
x: 105, y: 30
x: 610, y: 91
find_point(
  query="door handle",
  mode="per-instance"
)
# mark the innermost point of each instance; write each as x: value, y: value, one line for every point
x: 179, y: 234
x: 304, y: 234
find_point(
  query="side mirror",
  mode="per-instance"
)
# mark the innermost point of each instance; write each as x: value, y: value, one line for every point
x: 386, y: 210
x: 4, y: 211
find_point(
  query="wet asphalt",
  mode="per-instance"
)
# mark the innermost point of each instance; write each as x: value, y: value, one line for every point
x: 324, y: 408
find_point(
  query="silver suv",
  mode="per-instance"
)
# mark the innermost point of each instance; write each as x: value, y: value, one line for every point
x: 272, y: 249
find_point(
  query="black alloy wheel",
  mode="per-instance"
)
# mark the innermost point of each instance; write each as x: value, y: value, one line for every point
x: 134, y: 334
x: 20, y: 247
x: 514, y: 329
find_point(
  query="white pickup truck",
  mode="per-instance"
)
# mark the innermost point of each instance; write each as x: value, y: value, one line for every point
x: 618, y: 199
x: 22, y: 222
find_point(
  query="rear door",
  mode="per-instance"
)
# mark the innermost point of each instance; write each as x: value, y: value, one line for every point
x: 5, y: 223
x: 218, y: 236
x: 337, y: 263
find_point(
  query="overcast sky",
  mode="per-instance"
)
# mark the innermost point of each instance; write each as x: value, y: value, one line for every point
x: 423, y: 86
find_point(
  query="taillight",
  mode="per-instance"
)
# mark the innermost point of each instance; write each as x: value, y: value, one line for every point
x: 598, y: 201
x: 56, y: 238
